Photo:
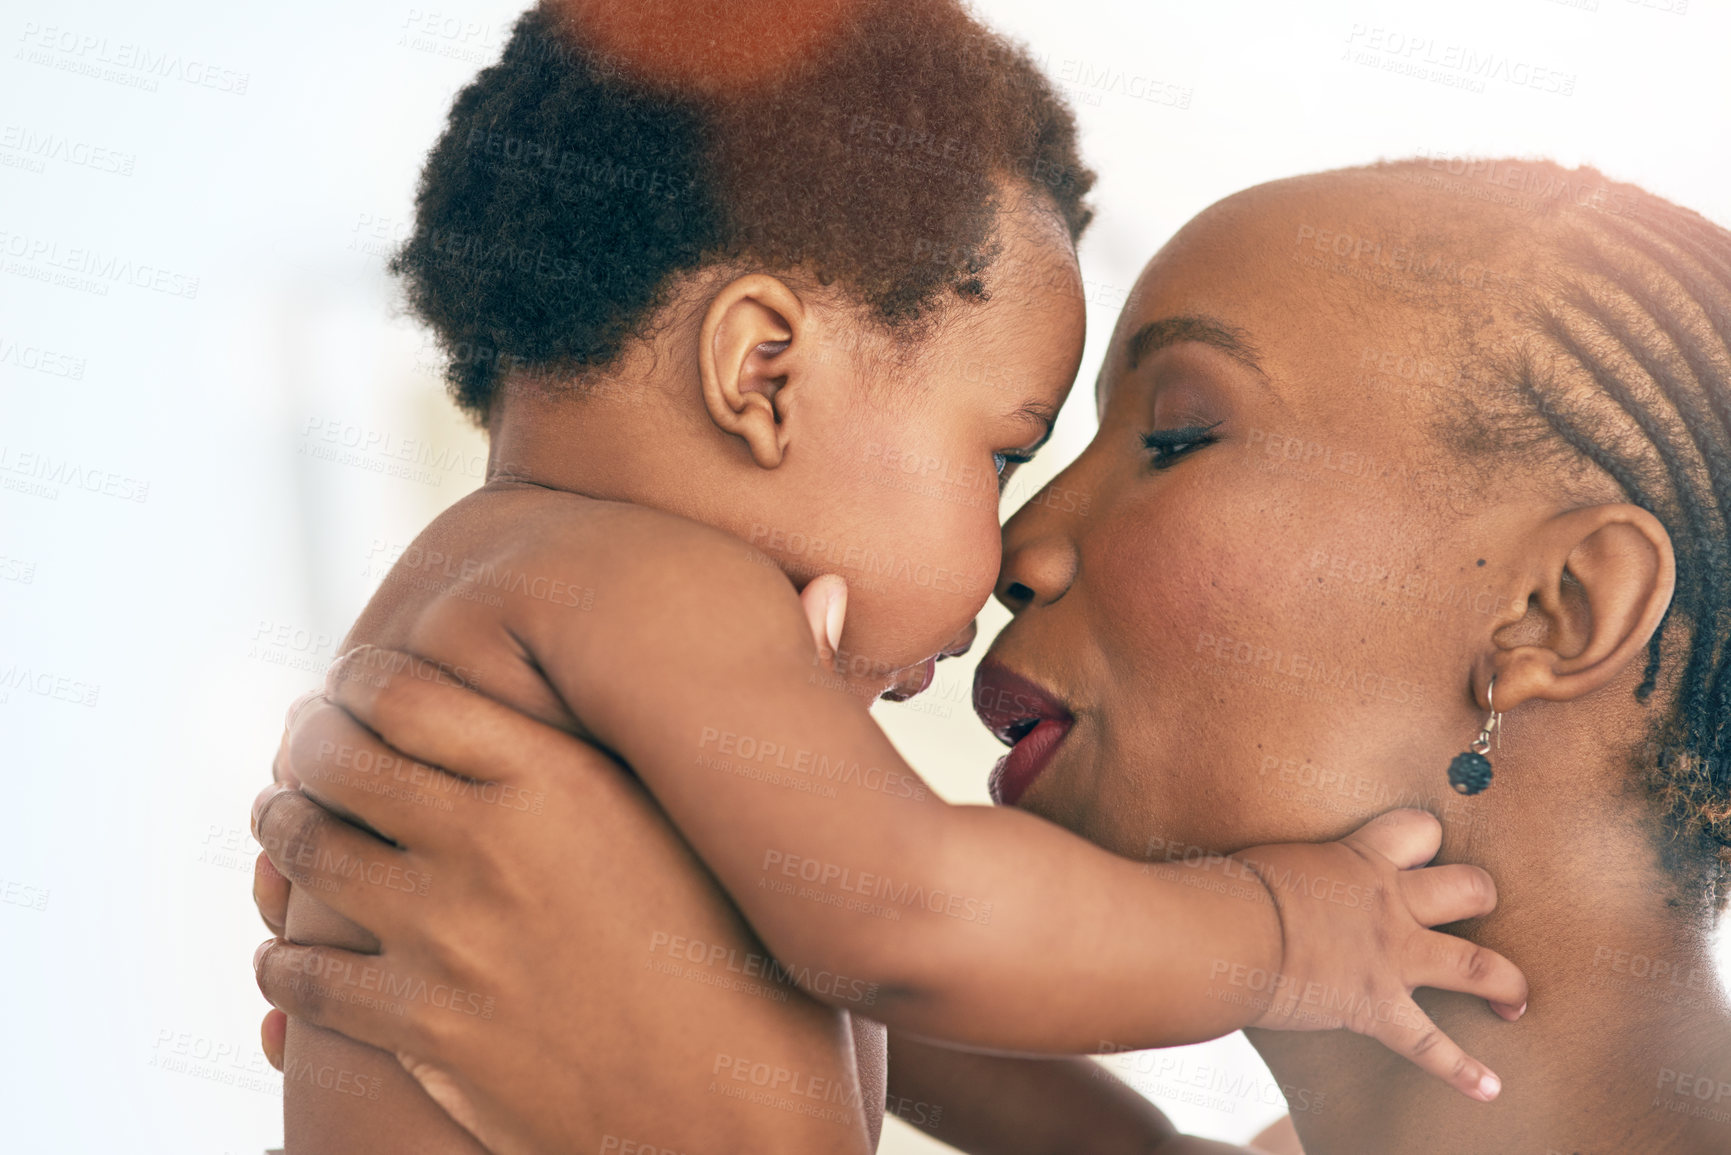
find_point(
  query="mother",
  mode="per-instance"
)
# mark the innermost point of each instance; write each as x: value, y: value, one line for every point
x: 1369, y: 442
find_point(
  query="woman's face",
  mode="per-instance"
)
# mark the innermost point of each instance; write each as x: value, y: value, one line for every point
x: 1259, y: 591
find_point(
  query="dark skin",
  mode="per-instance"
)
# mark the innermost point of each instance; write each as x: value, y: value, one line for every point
x: 768, y: 389
x: 1178, y: 618
x: 787, y: 393
x: 734, y: 414
x: 976, y: 1102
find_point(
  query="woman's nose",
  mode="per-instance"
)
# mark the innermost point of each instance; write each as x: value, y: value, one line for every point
x: 1040, y: 558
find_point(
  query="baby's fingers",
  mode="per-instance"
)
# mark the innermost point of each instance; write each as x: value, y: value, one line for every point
x: 1408, y: 1031
x: 1439, y: 894
x: 1454, y: 964
x: 1406, y: 838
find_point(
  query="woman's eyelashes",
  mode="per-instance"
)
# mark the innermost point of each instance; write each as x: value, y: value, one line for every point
x: 1005, y: 462
x: 1166, y: 446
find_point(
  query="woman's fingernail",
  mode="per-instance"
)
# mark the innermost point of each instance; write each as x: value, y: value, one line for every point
x: 295, y: 708
x: 1489, y: 1087
x: 259, y: 953
x: 258, y: 803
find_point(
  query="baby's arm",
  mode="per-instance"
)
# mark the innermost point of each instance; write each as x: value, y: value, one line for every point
x: 979, y: 925
x: 696, y: 666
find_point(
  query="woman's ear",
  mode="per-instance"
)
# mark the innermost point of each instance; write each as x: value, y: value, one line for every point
x: 753, y: 331
x: 1598, y: 584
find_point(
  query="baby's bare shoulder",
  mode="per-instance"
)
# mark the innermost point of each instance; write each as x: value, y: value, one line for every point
x: 619, y: 549
x: 515, y: 581
x: 542, y: 558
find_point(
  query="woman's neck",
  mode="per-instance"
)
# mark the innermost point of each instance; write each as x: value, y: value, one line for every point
x: 1626, y: 1043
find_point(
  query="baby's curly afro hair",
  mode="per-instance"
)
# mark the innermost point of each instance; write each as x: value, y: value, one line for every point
x: 603, y: 155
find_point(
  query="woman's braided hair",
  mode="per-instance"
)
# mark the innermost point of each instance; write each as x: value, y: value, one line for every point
x: 1628, y: 368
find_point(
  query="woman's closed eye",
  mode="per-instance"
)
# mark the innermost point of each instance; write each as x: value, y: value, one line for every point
x: 1166, y: 446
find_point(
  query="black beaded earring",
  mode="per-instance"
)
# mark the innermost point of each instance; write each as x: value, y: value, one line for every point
x: 1470, y: 772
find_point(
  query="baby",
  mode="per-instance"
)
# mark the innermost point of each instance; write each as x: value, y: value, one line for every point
x: 709, y: 317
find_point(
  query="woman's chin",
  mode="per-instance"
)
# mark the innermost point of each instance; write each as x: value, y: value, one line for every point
x: 1110, y: 812
x: 1058, y: 795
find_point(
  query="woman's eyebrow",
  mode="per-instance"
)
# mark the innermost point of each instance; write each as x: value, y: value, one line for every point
x: 1156, y: 335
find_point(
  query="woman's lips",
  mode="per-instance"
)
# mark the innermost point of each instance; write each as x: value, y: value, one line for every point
x: 1023, y: 716
x: 1016, y: 771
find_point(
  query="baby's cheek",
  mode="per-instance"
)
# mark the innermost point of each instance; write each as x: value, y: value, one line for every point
x: 977, y: 567
x: 943, y: 574
x: 980, y: 542
x: 969, y: 557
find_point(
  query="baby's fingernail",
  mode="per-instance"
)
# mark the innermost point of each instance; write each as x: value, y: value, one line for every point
x: 833, y: 618
x: 1520, y: 1010
x: 1489, y: 1087
x: 259, y: 953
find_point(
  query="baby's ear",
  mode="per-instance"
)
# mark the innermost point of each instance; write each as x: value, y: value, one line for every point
x: 1597, y: 584
x: 754, y: 332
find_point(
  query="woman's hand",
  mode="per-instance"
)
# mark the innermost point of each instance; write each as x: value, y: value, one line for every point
x: 517, y: 905
x: 385, y: 886
x: 824, y: 600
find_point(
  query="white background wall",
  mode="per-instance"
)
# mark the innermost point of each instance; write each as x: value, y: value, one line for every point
x: 199, y: 584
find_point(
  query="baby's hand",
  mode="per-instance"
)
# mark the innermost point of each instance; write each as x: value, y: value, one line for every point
x: 1354, y: 916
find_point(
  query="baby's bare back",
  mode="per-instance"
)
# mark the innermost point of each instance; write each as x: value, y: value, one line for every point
x: 456, y: 597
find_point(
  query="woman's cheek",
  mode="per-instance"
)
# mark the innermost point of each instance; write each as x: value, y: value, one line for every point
x: 1176, y: 600
x: 1154, y: 577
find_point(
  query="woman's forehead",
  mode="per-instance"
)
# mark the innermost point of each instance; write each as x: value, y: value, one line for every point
x: 1218, y: 283
x: 1315, y: 273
